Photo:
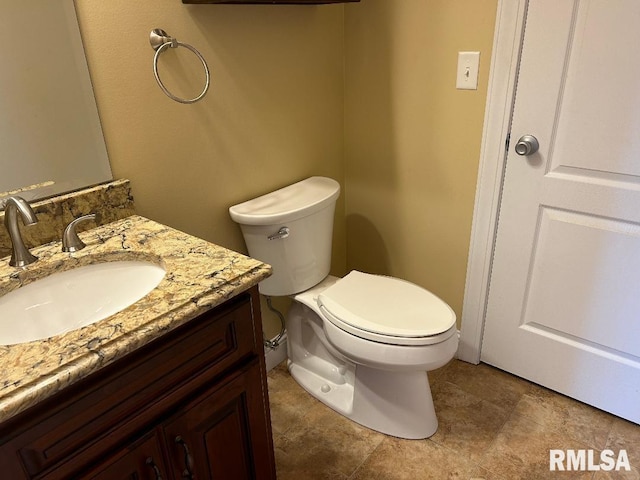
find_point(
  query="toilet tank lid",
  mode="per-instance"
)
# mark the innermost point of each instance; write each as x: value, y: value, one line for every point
x: 287, y: 204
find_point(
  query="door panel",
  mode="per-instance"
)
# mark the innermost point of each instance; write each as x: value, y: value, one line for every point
x: 592, y: 259
x: 601, y: 93
x: 564, y: 296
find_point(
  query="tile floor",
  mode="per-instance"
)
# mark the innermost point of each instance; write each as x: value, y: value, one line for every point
x: 492, y: 425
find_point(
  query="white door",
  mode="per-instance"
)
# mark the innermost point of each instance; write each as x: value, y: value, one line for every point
x: 564, y: 296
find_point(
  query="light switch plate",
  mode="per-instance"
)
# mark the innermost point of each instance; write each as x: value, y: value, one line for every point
x: 468, y: 64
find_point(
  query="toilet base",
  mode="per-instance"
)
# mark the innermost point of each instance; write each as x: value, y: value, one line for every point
x: 394, y: 403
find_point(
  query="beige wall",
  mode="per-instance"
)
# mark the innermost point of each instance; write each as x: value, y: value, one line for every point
x: 413, y: 140
x: 273, y: 115
x: 363, y: 93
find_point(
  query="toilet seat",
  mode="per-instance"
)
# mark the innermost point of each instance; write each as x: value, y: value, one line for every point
x: 386, y: 310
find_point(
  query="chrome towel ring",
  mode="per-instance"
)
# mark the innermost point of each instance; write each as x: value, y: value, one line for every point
x: 160, y: 41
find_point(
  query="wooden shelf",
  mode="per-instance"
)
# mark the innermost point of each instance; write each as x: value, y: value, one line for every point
x: 272, y: 2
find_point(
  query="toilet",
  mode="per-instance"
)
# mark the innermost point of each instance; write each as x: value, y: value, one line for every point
x: 361, y: 344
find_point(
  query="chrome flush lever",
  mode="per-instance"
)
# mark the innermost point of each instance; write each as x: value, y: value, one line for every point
x: 282, y: 233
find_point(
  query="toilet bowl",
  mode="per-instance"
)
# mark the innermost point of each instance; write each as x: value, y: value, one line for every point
x: 361, y: 344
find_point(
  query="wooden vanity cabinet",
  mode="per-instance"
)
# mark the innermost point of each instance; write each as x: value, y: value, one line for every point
x: 192, y: 404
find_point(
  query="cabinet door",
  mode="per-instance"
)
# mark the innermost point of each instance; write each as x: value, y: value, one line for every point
x: 142, y: 460
x: 223, y: 433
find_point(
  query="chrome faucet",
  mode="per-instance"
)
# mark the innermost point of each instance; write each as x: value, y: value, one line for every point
x: 20, y: 254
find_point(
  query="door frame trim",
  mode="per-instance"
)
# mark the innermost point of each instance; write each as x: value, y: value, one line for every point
x: 507, y: 42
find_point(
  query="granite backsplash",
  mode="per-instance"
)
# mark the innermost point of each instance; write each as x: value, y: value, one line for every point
x: 110, y: 201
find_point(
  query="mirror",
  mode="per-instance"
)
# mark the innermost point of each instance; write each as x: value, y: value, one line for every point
x: 50, y: 135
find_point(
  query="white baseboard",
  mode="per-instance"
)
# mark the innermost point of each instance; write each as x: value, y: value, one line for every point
x: 275, y: 356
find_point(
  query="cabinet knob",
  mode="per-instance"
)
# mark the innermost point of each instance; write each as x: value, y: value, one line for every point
x: 187, y: 473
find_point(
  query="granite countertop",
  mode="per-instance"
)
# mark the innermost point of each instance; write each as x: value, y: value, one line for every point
x: 199, y: 276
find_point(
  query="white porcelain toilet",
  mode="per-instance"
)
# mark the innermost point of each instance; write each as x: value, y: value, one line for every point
x: 361, y: 344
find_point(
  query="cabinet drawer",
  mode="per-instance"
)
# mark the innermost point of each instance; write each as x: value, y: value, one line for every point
x: 131, y: 392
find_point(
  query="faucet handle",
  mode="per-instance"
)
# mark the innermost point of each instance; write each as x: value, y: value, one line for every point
x: 70, y: 240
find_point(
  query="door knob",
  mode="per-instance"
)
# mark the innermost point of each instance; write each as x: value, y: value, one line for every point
x: 527, y: 145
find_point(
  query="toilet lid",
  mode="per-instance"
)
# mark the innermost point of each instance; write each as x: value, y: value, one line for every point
x: 386, y: 306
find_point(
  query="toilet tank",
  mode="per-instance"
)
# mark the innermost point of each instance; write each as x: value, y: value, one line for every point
x: 291, y: 229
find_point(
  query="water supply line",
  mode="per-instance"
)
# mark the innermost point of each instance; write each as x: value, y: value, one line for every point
x: 275, y: 342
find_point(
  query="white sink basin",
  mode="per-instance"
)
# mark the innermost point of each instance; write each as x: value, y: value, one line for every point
x: 69, y: 300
